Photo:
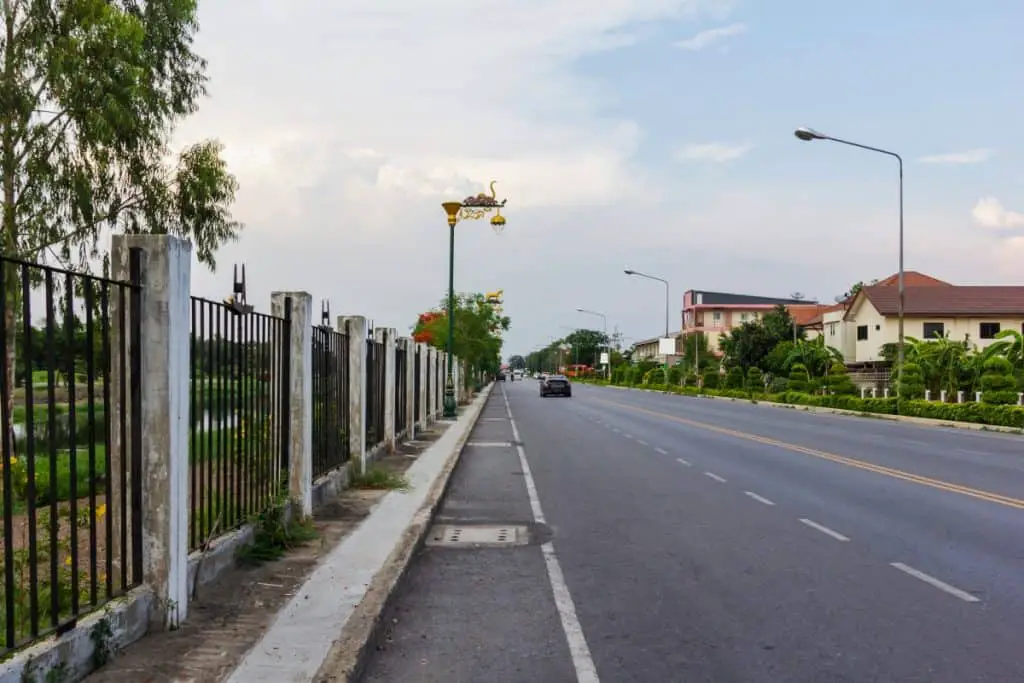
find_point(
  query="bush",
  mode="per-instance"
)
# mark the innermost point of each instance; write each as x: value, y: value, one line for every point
x: 655, y: 376
x: 998, y: 385
x: 710, y: 379
x: 799, y: 379
x: 838, y: 381
x: 734, y: 378
x: 911, y: 382
x: 755, y: 380
x: 675, y: 375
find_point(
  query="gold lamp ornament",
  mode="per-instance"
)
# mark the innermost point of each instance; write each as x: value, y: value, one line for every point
x: 476, y: 207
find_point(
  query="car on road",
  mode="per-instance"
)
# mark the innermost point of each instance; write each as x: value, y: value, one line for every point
x: 556, y: 385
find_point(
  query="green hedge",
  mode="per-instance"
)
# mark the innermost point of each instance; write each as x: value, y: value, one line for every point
x: 977, y: 413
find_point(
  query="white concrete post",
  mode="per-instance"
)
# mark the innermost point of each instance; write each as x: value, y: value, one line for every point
x: 166, y: 267
x: 942, y: 395
x: 874, y: 392
x: 387, y: 336
x: 977, y: 396
x: 927, y: 394
x: 409, y: 427
x: 300, y: 395
x: 1020, y: 398
x: 959, y: 397
x: 354, y: 326
x: 421, y: 419
x: 863, y: 392
x: 886, y: 390
x: 433, y: 405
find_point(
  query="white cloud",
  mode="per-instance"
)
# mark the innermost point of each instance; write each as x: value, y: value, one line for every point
x: 990, y: 213
x: 714, y: 152
x: 974, y: 156
x: 711, y: 36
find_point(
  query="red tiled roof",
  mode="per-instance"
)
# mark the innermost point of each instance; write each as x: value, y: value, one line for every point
x: 949, y: 301
x: 807, y: 314
x: 911, y: 278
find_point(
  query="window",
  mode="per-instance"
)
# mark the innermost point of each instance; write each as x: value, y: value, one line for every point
x: 988, y: 330
x: 743, y: 317
x: 700, y: 298
x: 934, y: 330
x: 717, y: 316
x: 862, y: 332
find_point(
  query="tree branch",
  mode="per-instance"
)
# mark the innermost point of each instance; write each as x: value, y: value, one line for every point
x: 75, y: 234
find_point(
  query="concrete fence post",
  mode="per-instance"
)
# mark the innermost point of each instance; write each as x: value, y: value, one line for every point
x: 421, y: 419
x: 942, y: 395
x: 300, y: 395
x: 432, y: 356
x: 386, y: 336
x: 354, y: 327
x: 409, y: 345
x: 164, y: 339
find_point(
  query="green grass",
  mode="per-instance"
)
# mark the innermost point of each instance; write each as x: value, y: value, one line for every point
x: 378, y: 478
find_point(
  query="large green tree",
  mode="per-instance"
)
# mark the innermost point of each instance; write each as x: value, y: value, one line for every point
x: 587, y: 345
x: 749, y: 344
x: 91, y: 91
x: 478, y: 328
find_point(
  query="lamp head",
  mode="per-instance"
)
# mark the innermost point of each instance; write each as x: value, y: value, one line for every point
x: 629, y: 272
x: 808, y: 134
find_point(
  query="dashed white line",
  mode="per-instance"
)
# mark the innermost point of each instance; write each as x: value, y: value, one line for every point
x: 759, y: 499
x: 642, y: 442
x: 586, y: 672
x: 825, y: 530
x: 616, y: 430
x: 662, y: 451
x: 628, y: 435
x: 931, y: 580
x: 683, y: 462
x: 714, y: 476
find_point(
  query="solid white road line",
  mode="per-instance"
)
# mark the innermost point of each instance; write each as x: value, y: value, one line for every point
x: 714, y: 476
x: 824, y: 529
x: 941, y: 585
x: 662, y: 451
x: 586, y: 672
x: 683, y: 462
x: 642, y: 442
x: 759, y: 499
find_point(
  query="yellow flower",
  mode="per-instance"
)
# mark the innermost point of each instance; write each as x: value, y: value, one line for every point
x: 14, y: 460
x: 101, y: 510
x: 67, y: 561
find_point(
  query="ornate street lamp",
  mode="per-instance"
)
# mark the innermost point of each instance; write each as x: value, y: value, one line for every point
x: 470, y: 208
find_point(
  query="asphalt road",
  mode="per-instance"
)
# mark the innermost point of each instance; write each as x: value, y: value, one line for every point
x: 694, y: 540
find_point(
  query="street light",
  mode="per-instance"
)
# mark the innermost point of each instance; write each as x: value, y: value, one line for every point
x: 604, y: 319
x: 664, y: 282
x: 470, y: 208
x: 807, y: 135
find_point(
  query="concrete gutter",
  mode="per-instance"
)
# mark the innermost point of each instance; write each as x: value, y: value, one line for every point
x: 923, y: 421
x: 324, y: 631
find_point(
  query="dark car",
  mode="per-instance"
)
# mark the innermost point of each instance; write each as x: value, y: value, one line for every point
x: 555, y: 385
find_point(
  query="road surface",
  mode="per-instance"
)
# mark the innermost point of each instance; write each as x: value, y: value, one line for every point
x: 695, y: 540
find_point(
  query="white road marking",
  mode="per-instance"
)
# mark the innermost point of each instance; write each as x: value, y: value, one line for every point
x: 941, y: 585
x: 616, y: 430
x: 683, y: 462
x: 824, y: 529
x: 493, y: 419
x: 662, y: 451
x: 642, y: 442
x: 714, y: 476
x: 628, y: 435
x: 759, y: 499
x: 489, y: 444
x: 586, y: 672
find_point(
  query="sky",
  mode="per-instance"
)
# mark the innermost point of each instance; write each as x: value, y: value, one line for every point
x: 655, y: 135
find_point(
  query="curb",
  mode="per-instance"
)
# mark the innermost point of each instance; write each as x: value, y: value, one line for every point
x: 347, y: 656
x: 908, y: 419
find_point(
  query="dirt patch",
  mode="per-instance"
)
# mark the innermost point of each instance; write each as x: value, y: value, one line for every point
x: 229, y: 616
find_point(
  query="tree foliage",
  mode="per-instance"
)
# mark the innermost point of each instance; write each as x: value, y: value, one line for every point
x: 478, y: 328
x: 750, y: 343
x: 517, y: 363
x: 582, y: 345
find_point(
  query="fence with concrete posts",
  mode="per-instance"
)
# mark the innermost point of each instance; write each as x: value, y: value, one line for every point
x: 150, y: 426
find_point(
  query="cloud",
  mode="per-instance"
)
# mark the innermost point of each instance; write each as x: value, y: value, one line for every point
x: 711, y: 36
x: 713, y: 152
x: 974, y: 156
x: 990, y: 213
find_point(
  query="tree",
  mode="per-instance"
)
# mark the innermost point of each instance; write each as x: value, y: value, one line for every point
x: 91, y: 92
x: 755, y: 380
x: 998, y: 387
x: 911, y: 382
x: 799, y: 379
x: 587, y: 345
x: 517, y: 363
x: 838, y: 381
x: 478, y: 328
x: 750, y: 343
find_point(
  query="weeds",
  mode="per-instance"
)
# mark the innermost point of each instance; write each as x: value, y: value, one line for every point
x: 376, y: 477
x: 274, y: 535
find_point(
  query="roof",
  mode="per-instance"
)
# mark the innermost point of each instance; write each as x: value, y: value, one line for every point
x: 805, y: 315
x: 654, y: 340
x: 911, y: 278
x: 727, y: 299
x: 950, y: 301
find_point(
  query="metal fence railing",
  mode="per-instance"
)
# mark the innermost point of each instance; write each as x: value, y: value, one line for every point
x: 330, y: 400
x: 376, y: 368
x: 401, y: 388
x: 70, y: 410
x: 239, y: 406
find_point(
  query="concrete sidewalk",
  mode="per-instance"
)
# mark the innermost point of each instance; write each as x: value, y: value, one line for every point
x: 332, y: 617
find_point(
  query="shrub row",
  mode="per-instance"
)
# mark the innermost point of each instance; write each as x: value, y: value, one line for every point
x: 978, y: 413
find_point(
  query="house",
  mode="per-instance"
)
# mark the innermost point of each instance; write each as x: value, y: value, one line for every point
x: 647, y: 349
x: 861, y: 326
x: 716, y: 313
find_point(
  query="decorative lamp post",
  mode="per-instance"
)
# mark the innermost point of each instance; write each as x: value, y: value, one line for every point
x: 471, y: 208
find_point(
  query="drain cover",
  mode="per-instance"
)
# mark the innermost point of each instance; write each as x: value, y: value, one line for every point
x: 468, y: 535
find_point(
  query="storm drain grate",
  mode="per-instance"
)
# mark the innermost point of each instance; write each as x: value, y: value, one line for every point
x: 470, y: 535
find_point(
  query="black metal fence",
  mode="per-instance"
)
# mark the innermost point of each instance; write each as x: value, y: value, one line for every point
x: 401, y: 388
x: 376, y: 369
x: 330, y: 400
x: 72, y: 450
x: 240, y: 405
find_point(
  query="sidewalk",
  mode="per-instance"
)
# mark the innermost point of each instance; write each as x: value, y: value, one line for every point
x: 280, y: 621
